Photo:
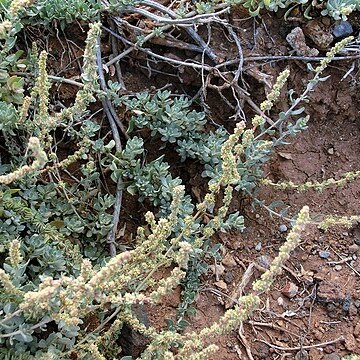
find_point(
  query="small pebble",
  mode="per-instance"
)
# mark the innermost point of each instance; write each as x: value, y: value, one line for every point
x: 338, y: 267
x: 302, y: 355
x: 324, y: 254
x: 353, y: 249
x: 343, y: 29
x: 263, y: 261
x: 353, y: 310
x: 229, y: 277
x: 333, y: 356
x: 357, y: 241
x: 283, y: 228
x: 290, y: 290
x: 221, y: 284
x: 257, y: 216
x: 346, y: 303
x: 258, y: 246
x: 331, y: 151
x: 357, y: 303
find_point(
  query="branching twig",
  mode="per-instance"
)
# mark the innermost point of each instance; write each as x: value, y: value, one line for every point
x: 306, y: 347
x: 110, y: 112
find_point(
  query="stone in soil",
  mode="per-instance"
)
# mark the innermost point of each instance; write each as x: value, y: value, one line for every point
x: 357, y: 330
x: 324, y: 254
x: 333, y: 356
x: 229, y: 261
x: 329, y: 292
x: 290, y: 290
x: 316, y: 32
x: 302, y: 355
x: 221, y: 284
x: 350, y: 342
x: 354, y: 248
x: 296, y: 40
x: 263, y: 261
x: 131, y: 341
x: 229, y: 277
x: 343, y: 29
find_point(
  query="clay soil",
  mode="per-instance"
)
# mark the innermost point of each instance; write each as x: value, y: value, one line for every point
x: 313, y: 309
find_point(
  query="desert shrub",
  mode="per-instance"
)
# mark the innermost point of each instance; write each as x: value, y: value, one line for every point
x: 54, y: 227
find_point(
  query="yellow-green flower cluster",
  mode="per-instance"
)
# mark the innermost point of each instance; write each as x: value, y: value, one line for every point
x: 41, y: 88
x: 229, y: 160
x: 9, y: 287
x: 230, y: 320
x: 166, y: 285
x: 77, y: 155
x: 316, y: 185
x: 330, y: 54
x: 14, y: 253
x: 18, y: 5
x: 90, y: 77
x: 36, y: 303
x: 39, y: 163
x: 347, y: 221
x: 24, y: 110
x: 274, y: 94
x: 292, y: 241
x: 257, y: 121
x: 5, y: 27
x: 101, y: 279
x: 95, y: 353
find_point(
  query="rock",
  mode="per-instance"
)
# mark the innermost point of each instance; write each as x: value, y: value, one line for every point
x: 329, y: 292
x: 318, y: 34
x: 324, y: 254
x: 357, y: 303
x: 357, y: 330
x: 132, y: 342
x: 350, y: 342
x: 357, y: 241
x: 229, y: 277
x: 333, y: 356
x: 343, y: 29
x: 283, y: 228
x: 330, y: 151
x: 354, y: 248
x: 352, y: 310
x: 221, y: 284
x: 296, y: 40
x: 280, y: 301
x: 263, y: 261
x: 302, y: 355
x: 229, y: 261
x: 261, y: 350
x: 315, y: 354
x: 329, y: 349
x: 346, y: 303
x: 258, y: 246
x: 290, y: 290
x: 338, y: 267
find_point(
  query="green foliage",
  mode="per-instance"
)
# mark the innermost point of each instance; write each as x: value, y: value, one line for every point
x: 56, y: 206
x: 337, y: 9
x: 66, y: 11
